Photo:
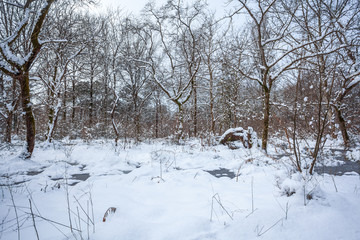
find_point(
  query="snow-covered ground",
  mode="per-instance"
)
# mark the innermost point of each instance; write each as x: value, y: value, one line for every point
x: 164, y: 191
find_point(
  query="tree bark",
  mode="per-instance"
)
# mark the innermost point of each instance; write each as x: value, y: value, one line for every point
x: 211, y: 96
x: 64, y: 100
x: 156, y: 118
x: 10, y: 113
x: 137, y: 120
x: 342, y: 126
x: 116, y: 131
x: 195, y: 107
x: 180, y: 130
x: 7, y: 137
x: 29, y: 117
x: 266, y: 121
x: 73, y: 100
x: 91, y: 105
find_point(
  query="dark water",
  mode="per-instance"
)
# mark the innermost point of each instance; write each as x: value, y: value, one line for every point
x: 345, y: 165
x: 80, y: 177
x: 34, y: 173
x: 348, y: 166
x: 222, y: 172
x: 336, y: 154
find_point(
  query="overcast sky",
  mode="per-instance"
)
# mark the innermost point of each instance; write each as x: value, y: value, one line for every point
x: 135, y: 6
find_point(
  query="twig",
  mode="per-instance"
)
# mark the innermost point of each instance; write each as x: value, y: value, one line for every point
x: 33, y: 218
x: 251, y: 213
x: 252, y: 194
x: 16, y: 213
x: 78, y: 215
x: 238, y: 173
x: 49, y: 220
x: 67, y: 198
x: 286, y: 210
x: 333, y: 179
x: 3, y: 222
x: 221, y: 205
x: 87, y: 223
x: 92, y: 210
x: 83, y: 210
x: 260, y: 233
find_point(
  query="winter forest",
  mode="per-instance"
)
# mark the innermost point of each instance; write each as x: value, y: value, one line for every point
x: 180, y: 123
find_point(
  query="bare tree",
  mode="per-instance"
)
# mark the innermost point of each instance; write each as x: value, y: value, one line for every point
x: 17, y: 63
x: 56, y: 60
x: 9, y: 102
x: 275, y: 48
x: 135, y: 78
x: 176, y: 74
x: 346, y: 16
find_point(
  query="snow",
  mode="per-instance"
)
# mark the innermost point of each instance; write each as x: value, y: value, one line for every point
x: 4, y: 45
x: 163, y: 191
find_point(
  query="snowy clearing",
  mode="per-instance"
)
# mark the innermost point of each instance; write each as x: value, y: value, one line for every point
x: 165, y: 191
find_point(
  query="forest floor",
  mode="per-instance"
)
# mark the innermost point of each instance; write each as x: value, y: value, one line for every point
x: 166, y: 191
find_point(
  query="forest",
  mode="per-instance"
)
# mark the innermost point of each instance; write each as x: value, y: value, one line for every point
x: 169, y: 82
x: 292, y: 68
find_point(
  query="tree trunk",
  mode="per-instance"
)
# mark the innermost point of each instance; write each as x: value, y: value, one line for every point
x: 180, y: 130
x: 9, y: 120
x: 105, y: 99
x: 51, y: 107
x: 91, y: 102
x: 195, y: 108
x: 11, y: 117
x: 342, y: 126
x: 212, y: 128
x: 265, y: 134
x: 29, y: 117
x: 50, y: 123
x: 53, y: 119
x: 137, y: 125
x: 73, y: 96
x: 64, y: 100
x: 116, y: 131
x: 156, y: 118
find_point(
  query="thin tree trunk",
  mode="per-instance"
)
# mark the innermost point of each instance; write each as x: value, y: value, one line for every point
x: 105, y: 99
x: 11, y: 117
x: 265, y: 134
x: 64, y: 100
x: 73, y: 96
x: 50, y: 123
x: 29, y: 117
x: 116, y: 131
x: 73, y: 100
x: 296, y: 152
x: 195, y: 108
x: 156, y: 118
x: 342, y: 126
x: 9, y: 120
x: 180, y: 130
x: 91, y: 106
x: 53, y: 120
x: 137, y: 125
x: 212, y: 128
